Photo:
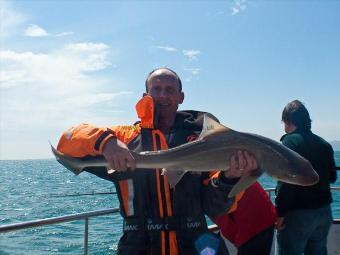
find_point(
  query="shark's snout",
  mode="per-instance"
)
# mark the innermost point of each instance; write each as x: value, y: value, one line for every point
x: 304, y: 177
x: 309, y: 175
x: 312, y: 179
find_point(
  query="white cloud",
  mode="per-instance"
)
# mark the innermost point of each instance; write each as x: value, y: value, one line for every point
x: 167, y: 48
x: 216, y: 13
x: 23, y: 67
x: 44, y: 93
x: 193, y: 72
x: 191, y: 54
x: 61, y: 66
x: 87, y: 100
x: 34, y: 30
x: 64, y: 34
x: 238, y: 6
x: 234, y: 11
x: 97, y: 55
x: 10, y: 19
x: 67, y: 68
x: 87, y: 47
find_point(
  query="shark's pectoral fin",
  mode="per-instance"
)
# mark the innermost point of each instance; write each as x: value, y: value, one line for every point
x: 245, y: 182
x: 173, y: 175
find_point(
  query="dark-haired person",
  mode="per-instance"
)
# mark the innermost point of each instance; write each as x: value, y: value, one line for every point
x: 304, y: 212
x: 159, y: 220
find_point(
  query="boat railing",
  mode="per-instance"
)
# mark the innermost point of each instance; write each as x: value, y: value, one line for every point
x: 85, y: 216
x: 62, y: 219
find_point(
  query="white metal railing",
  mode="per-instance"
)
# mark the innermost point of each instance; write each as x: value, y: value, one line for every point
x: 67, y: 218
x: 85, y: 216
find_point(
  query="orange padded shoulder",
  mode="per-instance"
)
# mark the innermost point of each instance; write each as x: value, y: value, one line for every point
x: 87, y: 139
x: 80, y: 141
x: 126, y: 133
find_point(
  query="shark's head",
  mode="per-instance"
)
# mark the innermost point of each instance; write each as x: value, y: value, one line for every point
x: 295, y: 169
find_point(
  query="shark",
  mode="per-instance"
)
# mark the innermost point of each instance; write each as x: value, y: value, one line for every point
x: 213, y: 150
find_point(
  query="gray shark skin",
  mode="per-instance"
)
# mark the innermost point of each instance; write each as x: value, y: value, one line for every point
x: 213, y: 150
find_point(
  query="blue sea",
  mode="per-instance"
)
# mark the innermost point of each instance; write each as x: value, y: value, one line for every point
x: 36, y: 189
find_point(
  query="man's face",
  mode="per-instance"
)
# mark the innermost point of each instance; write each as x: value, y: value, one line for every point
x: 289, y: 127
x: 163, y: 87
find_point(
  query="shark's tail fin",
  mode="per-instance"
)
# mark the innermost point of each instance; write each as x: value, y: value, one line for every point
x: 73, y: 164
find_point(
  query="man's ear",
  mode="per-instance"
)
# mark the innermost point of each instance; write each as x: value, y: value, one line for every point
x: 181, y: 97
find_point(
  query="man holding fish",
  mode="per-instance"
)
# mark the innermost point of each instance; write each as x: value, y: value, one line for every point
x: 160, y: 218
x: 164, y: 202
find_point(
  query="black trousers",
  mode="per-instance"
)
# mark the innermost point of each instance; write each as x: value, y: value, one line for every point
x: 260, y: 244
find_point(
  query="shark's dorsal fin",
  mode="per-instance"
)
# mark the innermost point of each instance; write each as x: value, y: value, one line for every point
x: 211, y: 126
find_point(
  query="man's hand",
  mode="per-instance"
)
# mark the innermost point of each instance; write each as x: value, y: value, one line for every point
x: 118, y: 155
x: 241, y: 163
x: 280, y: 223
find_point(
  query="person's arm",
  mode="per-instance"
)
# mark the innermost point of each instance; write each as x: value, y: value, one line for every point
x: 284, y: 200
x: 84, y: 140
x: 119, y: 158
x: 88, y: 140
x: 332, y: 166
x: 285, y: 192
x: 118, y: 155
x: 280, y: 223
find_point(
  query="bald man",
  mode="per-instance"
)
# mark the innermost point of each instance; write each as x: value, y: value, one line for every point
x: 159, y: 219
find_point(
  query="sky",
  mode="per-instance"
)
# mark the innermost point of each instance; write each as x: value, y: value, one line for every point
x: 63, y: 63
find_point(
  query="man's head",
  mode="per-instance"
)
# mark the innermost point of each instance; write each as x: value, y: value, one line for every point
x: 165, y: 71
x: 165, y: 87
x: 296, y: 114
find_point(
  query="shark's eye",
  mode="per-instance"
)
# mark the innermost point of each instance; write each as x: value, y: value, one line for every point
x: 292, y: 175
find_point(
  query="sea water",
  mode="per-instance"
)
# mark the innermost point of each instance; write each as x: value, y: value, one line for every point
x: 37, y: 189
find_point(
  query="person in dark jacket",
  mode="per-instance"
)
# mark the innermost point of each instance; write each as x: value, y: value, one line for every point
x: 304, y: 212
x: 159, y: 219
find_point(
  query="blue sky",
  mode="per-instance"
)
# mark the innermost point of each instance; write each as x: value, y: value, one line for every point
x: 68, y: 62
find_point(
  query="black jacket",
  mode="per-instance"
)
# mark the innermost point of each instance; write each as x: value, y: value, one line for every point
x: 321, y: 156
